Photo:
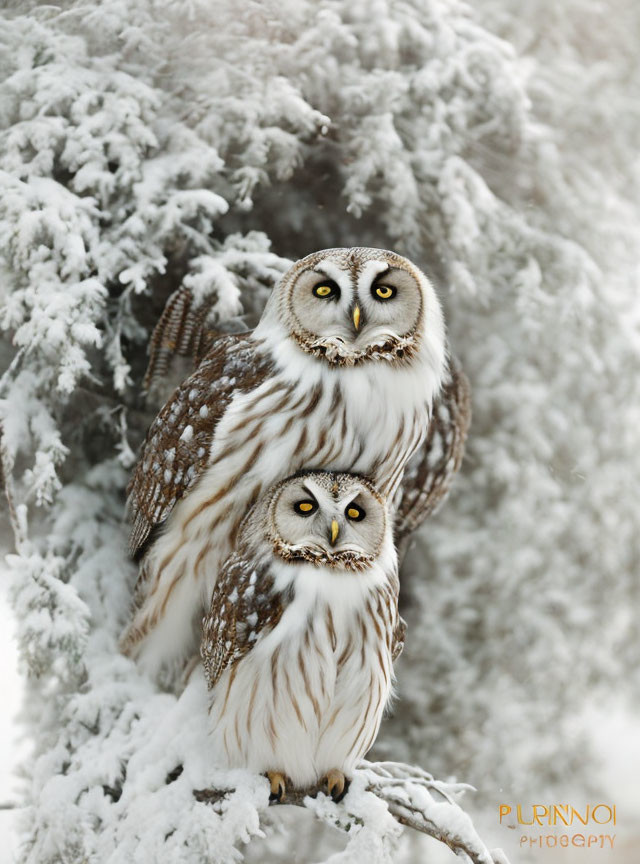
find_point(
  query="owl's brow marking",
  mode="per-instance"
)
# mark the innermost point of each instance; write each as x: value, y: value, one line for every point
x: 370, y: 271
x: 329, y: 270
x: 382, y: 273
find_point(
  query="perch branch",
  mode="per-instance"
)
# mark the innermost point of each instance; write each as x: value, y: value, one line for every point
x: 413, y: 798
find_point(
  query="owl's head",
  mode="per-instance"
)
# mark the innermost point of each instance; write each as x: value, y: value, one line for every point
x: 331, y: 519
x: 350, y: 306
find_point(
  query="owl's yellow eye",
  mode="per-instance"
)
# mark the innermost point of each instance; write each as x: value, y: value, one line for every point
x: 384, y: 292
x: 305, y: 508
x: 355, y: 512
x: 326, y: 290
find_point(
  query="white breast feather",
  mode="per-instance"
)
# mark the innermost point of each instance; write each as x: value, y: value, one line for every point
x: 256, y: 725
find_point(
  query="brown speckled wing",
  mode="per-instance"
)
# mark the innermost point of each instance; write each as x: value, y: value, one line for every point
x: 243, y: 605
x: 181, y: 330
x: 431, y: 471
x: 177, y: 445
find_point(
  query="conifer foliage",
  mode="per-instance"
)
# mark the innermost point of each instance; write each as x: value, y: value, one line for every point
x: 151, y: 148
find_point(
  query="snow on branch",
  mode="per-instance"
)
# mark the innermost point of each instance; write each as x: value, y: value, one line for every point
x: 132, y: 143
x: 410, y: 795
x: 210, y: 297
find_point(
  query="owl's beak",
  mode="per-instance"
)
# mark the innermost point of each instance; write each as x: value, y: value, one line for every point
x: 335, y: 530
x: 356, y: 316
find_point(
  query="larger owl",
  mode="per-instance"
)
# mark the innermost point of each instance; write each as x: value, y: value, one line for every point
x: 299, y: 642
x: 340, y: 373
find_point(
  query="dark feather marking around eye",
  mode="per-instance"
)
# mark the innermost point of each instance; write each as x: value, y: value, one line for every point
x: 355, y: 512
x: 379, y: 284
x: 320, y: 291
x: 306, y: 507
x: 382, y: 293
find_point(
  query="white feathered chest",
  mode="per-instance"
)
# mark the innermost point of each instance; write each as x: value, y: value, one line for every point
x: 310, y: 694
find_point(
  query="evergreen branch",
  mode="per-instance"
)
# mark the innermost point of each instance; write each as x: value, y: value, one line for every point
x: 12, y: 367
x: 16, y: 512
x: 413, y: 798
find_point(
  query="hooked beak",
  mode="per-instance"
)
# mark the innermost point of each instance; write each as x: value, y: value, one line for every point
x: 356, y: 317
x: 335, y: 530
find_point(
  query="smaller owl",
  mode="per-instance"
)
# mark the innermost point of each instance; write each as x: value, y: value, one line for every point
x: 299, y: 643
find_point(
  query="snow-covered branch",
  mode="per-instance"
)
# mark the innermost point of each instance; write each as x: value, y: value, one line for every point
x: 411, y: 796
x: 17, y: 514
x: 147, y: 152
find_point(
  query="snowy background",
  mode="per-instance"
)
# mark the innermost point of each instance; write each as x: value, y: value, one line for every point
x: 149, y: 147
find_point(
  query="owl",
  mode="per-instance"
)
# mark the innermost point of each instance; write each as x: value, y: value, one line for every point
x: 340, y: 373
x: 299, y: 642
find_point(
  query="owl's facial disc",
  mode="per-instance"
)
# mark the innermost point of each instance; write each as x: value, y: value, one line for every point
x: 328, y: 523
x: 347, y: 316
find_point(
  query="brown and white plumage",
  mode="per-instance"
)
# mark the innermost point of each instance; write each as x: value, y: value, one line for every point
x: 340, y: 381
x: 177, y: 446
x: 430, y: 472
x: 298, y: 647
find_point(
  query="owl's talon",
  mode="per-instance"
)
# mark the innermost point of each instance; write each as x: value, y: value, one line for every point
x: 337, y: 785
x: 278, y: 785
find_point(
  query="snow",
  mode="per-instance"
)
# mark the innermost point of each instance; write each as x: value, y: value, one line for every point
x: 196, y: 150
x: 12, y: 749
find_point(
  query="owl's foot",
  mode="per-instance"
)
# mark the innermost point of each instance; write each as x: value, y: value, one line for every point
x: 337, y: 784
x: 278, y: 785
